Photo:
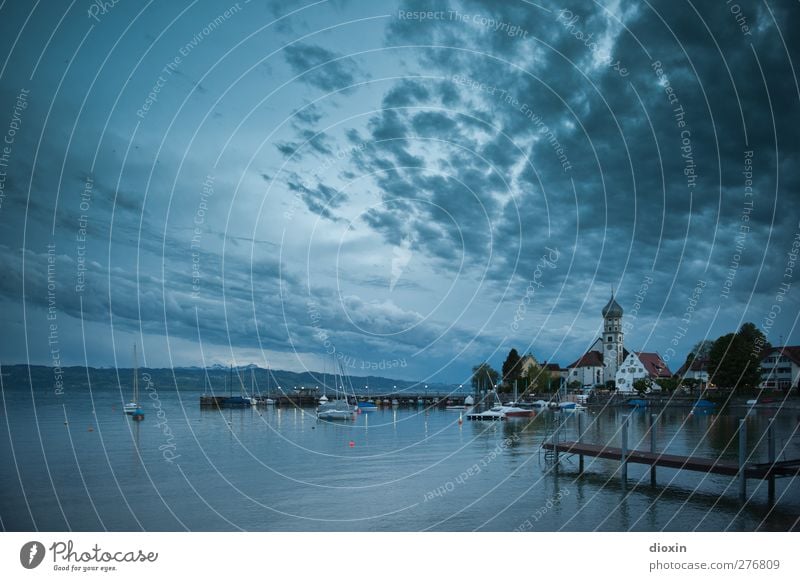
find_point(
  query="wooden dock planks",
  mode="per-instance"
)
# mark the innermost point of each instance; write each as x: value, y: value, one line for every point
x: 692, y: 463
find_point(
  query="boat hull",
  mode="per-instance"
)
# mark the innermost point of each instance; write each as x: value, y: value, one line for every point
x: 521, y: 414
x: 335, y: 415
x: 488, y: 416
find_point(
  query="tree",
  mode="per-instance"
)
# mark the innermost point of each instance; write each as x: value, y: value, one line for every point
x: 642, y: 385
x: 735, y: 358
x: 669, y: 384
x: 700, y: 351
x: 511, y: 368
x: 484, y: 377
x: 537, y: 379
x: 755, y: 339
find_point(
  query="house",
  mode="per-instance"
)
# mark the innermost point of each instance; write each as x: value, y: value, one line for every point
x: 525, y: 363
x: 641, y: 365
x: 557, y: 375
x: 586, y: 371
x: 780, y: 368
x: 697, y: 370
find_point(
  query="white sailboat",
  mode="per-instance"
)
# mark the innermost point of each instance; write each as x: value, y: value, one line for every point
x: 132, y: 407
x: 338, y: 409
x: 268, y: 400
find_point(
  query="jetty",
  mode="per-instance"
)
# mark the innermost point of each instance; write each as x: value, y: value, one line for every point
x: 309, y: 398
x: 742, y: 469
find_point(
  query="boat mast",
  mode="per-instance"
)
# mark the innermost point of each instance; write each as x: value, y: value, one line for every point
x: 135, y: 376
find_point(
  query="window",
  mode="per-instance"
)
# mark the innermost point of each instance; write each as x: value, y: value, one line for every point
x: 575, y: 372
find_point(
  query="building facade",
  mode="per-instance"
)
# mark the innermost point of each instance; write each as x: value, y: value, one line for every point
x: 780, y: 368
x: 697, y: 370
x: 641, y: 365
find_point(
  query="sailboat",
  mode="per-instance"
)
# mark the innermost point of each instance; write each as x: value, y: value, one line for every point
x: 338, y: 409
x: 236, y: 401
x: 267, y: 400
x: 132, y: 407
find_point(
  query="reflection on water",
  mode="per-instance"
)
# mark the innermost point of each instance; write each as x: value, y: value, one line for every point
x: 403, y: 468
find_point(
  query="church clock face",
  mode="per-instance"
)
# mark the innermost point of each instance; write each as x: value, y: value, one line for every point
x: 609, y: 346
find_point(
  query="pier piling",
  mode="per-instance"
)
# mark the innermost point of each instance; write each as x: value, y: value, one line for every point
x: 653, y: 448
x: 771, y: 457
x: 580, y: 441
x: 742, y: 459
x: 624, y: 458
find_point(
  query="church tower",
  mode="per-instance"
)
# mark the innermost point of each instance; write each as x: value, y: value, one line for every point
x: 612, y: 339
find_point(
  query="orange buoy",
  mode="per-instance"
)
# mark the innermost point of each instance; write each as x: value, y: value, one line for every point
x: 91, y: 429
x: 352, y: 444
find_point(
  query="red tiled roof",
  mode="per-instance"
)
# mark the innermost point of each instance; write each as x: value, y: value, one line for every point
x: 654, y: 365
x: 589, y: 359
x: 695, y: 365
x: 790, y: 351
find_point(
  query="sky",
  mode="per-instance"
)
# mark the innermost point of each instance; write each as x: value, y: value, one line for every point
x: 401, y: 188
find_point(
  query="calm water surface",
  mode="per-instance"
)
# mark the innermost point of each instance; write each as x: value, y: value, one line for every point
x: 78, y: 463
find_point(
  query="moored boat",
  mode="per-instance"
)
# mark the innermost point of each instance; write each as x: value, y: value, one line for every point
x: 132, y: 408
x: 487, y: 415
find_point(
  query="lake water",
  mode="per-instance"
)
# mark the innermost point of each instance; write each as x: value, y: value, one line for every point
x: 405, y: 469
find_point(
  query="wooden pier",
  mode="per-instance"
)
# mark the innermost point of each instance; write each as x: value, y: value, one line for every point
x: 691, y: 463
x: 741, y: 469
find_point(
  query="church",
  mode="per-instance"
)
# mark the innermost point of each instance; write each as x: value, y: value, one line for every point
x: 607, y: 360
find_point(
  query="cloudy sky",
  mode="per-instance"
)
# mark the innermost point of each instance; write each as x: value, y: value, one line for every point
x: 413, y: 187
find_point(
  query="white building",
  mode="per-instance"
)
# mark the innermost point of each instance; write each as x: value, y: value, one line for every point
x: 641, y: 365
x: 697, y: 369
x: 780, y: 368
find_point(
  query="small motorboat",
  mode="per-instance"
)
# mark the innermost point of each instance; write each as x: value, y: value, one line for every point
x: 704, y: 404
x: 395, y: 403
x: 513, y: 411
x: 638, y: 403
x: 488, y: 415
x: 367, y: 406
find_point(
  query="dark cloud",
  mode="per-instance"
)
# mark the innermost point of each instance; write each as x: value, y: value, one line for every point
x: 320, y: 67
x: 320, y: 199
x: 482, y: 150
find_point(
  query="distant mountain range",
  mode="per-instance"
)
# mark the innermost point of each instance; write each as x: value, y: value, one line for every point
x: 196, y: 379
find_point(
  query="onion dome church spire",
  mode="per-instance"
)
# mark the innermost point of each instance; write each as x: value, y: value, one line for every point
x: 612, y: 309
